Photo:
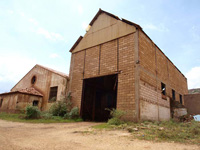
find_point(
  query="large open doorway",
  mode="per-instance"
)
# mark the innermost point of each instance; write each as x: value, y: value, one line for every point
x: 98, y: 94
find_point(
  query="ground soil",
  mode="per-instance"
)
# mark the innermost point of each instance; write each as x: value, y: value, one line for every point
x: 74, y: 136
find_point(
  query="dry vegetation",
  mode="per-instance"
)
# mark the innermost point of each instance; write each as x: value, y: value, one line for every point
x: 169, y: 131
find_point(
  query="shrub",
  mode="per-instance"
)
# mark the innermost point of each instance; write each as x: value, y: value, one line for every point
x: 73, y: 114
x: 47, y: 115
x: 116, y: 117
x: 32, y: 112
x: 59, y: 109
x: 117, y: 113
x: 53, y: 99
x: 115, y: 121
x: 62, y: 106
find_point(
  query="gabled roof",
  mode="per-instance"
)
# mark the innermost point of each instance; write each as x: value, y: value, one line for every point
x: 127, y: 22
x: 76, y: 43
x: 29, y: 91
x: 46, y: 68
x: 102, y: 11
x: 54, y: 71
x: 95, y: 18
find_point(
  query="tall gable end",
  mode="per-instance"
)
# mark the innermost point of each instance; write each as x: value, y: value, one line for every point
x: 104, y: 27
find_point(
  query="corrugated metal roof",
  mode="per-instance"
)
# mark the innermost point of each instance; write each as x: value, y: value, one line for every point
x: 29, y: 91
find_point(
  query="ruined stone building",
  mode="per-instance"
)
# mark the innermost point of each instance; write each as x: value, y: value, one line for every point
x: 41, y: 86
x: 116, y: 65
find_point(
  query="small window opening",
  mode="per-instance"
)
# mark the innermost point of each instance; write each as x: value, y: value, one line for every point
x: 53, y: 93
x: 1, y: 102
x: 173, y: 95
x: 33, y: 80
x: 35, y: 103
x: 181, y: 101
x: 163, y: 88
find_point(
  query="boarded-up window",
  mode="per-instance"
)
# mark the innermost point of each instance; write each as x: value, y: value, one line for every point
x: 53, y: 93
x: 181, y: 101
x: 173, y: 95
x: 1, y: 102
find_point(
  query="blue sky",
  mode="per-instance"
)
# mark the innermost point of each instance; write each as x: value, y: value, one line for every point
x: 42, y: 32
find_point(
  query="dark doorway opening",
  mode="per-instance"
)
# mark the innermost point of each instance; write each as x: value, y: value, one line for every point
x: 98, y: 95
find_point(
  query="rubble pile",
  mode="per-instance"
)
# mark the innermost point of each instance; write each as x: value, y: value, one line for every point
x: 186, y: 118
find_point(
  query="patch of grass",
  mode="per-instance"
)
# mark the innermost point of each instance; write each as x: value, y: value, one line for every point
x: 103, y: 126
x: 21, y: 118
x: 168, y: 131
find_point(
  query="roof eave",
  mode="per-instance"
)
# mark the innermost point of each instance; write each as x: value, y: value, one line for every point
x: 102, y: 11
x: 76, y: 43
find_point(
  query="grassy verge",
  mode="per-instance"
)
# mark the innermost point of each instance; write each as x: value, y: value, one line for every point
x: 21, y: 118
x: 169, y: 131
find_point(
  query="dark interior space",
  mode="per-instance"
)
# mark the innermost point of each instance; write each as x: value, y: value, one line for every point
x: 35, y: 103
x: 98, y: 94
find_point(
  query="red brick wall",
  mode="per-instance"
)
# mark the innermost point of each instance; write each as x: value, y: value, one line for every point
x: 76, y: 76
x: 153, y: 61
x: 108, y: 58
x: 147, y: 54
x: 154, y: 69
x: 126, y: 79
x: 113, y: 55
x: 192, y: 103
x: 92, y: 62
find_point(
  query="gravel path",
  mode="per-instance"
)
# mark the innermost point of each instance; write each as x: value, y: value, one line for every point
x: 73, y: 136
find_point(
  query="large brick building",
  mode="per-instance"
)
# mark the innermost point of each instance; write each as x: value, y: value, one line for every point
x: 116, y: 65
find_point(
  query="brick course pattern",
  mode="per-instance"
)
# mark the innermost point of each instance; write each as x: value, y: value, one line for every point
x: 77, y: 77
x: 92, y: 62
x: 126, y: 87
x: 141, y: 68
x: 108, y: 58
x: 154, y: 69
x: 107, y: 54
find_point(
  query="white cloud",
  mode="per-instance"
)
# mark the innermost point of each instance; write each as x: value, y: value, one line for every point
x: 10, y: 11
x: 193, y: 77
x: 49, y: 35
x: 42, y: 31
x: 22, y: 14
x: 15, y: 68
x: 33, y: 21
x: 159, y: 27
x: 80, y: 9
x: 54, y: 55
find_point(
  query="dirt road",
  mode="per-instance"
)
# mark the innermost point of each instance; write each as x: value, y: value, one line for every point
x: 73, y: 136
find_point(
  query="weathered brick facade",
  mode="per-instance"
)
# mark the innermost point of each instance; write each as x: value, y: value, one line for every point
x: 156, y: 68
x: 141, y: 67
x: 26, y: 91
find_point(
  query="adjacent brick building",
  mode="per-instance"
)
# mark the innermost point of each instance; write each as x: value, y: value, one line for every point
x: 41, y: 86
x: 192, y: 103
x: 116, y: 65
